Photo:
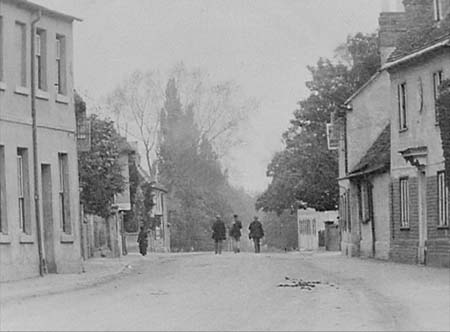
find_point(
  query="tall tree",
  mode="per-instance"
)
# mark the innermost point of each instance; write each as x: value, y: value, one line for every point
x: 305, y: 172
x: 136, y: 105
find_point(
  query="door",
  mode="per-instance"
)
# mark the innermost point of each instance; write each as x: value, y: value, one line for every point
x: 422, y: 254
x: 47, y: 213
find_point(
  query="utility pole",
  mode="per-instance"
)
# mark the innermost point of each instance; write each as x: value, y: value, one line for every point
x: 42, y: 265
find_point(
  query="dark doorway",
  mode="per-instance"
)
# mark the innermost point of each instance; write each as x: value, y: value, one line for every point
x: 47, y: 212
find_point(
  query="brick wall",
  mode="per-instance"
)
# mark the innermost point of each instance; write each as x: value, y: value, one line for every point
x: 404, y: 242
x: 438, y: 243
x: 419, y: 13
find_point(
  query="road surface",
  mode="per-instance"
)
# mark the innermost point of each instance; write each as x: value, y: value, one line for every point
x: 202, y: 291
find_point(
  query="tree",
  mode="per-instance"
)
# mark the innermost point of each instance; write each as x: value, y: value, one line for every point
x: 99, y: 169
x: 305, y: 172
x: 136, y: 105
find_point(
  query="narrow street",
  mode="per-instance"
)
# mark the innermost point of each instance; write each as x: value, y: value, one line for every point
x: 201, y: 291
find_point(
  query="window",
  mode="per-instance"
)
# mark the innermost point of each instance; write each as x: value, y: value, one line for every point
x: 442, y: 200
x: 404, y: 203
x: 1, y: 49
x: 402, y: 106
x: 437, y: 80
x: 21, y: 51
x: 64, y: 203
x: 344, y: 211
x: 61, y: 64
x: 41, y: 60
x: 365, y: 202
x: 23, y: 190
x: 3, y: 222
x: 441, y: 9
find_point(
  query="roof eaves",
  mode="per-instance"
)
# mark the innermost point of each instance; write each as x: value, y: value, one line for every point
x: 35, y: 6
x: 411, y: 56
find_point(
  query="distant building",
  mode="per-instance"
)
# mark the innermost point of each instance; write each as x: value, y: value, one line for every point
x: 311, y: 228
x: 57, y: 191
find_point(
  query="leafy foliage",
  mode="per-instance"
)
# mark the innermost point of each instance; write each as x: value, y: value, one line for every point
x: 280, y: 230
x: 99, y: 169
x: 305, y: 172
x: 444, y: 123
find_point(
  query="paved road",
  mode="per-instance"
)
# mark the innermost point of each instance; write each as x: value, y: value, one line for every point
x: 241, y: 292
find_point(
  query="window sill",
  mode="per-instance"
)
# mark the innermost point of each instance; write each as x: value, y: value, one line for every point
x: 26, y: 238
x: 22, y: 90
x: 404, y: 228
x: 5, y: 238
x: 67, y: 238
x: 62, y: 99
x: 40, y: 94
x: 2, y: 86
x: 403, y: 130
x: 443, y: 227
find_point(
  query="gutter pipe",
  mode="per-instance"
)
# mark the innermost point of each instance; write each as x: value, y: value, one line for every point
x: 42, y: 265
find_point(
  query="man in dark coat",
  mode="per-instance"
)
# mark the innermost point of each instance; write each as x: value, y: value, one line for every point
x: 143, y: 241
x: 219, y: 234
x: 235, y: 233
x: 256, y: 233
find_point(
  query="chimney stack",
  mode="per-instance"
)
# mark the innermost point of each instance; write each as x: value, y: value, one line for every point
x: 419, y: 14
x: 392, y: 26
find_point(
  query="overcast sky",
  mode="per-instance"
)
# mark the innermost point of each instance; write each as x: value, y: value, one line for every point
x: 264, y: 46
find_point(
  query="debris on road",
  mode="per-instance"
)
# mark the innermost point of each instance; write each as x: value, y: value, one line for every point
x: 300, y: 283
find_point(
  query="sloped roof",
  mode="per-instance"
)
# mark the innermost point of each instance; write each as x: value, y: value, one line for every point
x: 415, y: 41
x: 378, y: 157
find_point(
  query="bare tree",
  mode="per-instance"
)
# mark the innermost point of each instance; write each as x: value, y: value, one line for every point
x: 136, y: 105
x: 220, y: 108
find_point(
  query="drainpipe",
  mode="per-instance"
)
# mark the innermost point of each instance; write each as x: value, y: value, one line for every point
x: 35, y: 152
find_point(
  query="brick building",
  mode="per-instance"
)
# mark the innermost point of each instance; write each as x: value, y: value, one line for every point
x: 39, y: 202
x: 419, y: 198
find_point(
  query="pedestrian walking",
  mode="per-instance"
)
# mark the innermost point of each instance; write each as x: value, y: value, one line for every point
x: 143, y: 241
x: 235, y: 233
x: 219, y: 234
x: 256, y: 233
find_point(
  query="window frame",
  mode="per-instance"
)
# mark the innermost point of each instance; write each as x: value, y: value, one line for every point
x: 442, y: 200
x: 440, y: 75
x: 2, y: 55
x: 3, y: 200
x: 23, y: 191
x: 60, y: 59
x: 404, y: 198
x: 402, y: 106
x: 63, y: 193
x: 22, y: 70
x: 41, y: 59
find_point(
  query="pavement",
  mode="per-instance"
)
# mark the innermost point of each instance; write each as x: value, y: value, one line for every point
x: 237, y: 292
x: 95, y: 271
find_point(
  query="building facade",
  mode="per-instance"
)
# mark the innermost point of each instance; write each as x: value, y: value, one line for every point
x: 419, y: 199
x: 54, y: 196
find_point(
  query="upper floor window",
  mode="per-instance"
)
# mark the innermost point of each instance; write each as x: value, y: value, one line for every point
x: 21, y: 54
x: 442, y: 200
x: 61, y: 64
x: 404, y: 203
x: 1, y: 49
x: 402, y: 106
x: 441, y: 9
x: 41, y: 59
x: 437, y: 80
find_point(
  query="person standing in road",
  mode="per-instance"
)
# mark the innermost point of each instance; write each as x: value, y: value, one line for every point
x: 143, y: 241
x: 219, y: 234
x: 235, y: 233
x: 256, y: 233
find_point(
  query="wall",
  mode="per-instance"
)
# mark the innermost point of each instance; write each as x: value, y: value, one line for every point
x: 422, y: 131
x: 56, y: 134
